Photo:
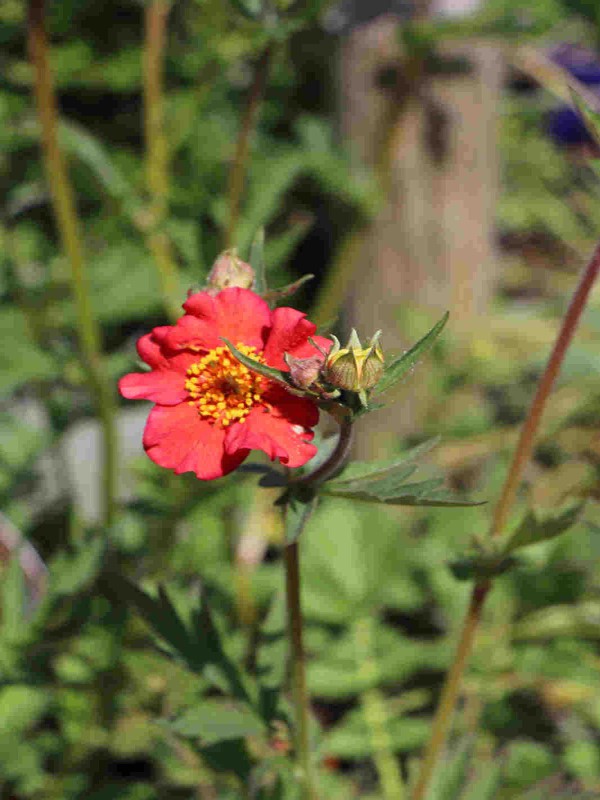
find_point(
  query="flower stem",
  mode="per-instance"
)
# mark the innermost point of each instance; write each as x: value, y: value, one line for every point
x: 157, y: 154
x: 66, y: 218
x: 298, y: 676
x: 336, y: 460
x: 237, y: 173
x: 294, y: 608
x: 452, y: 686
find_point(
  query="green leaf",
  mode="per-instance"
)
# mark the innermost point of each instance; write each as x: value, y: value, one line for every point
x: 534, y: 529
x: 367, y: 473
x: 262, y: 369
x: 392, y: 490
x: 215, y: 721
x: 21, y: 360
x: 300, y: 504
x: 275, y: 295
x: 13, y: 597
x: 257, y: 261
x: 400, y: 366
x: 450, y: 772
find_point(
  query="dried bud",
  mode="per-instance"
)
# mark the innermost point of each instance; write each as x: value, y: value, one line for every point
x: 354, y: 367
x: 229, y: 270
x: 304, y: 371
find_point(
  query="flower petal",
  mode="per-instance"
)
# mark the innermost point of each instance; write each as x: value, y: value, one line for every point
x: 149, y: 346
x: 177, y: 438
x: 281, y: 432
x: 161, y: 386
x: 236, y: 314
x: 289, y: 334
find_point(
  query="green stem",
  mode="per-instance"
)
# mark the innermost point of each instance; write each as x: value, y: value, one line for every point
x: 66, y: 218
x: 294, y: 608
x: 376, y: 716
x: 157, y: 155
x: 298, y: 665
x: 237, y: 173
x: 452, y: 686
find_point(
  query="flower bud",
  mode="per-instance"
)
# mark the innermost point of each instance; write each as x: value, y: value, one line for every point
x: 304, y: 371
x: 229, y: 270
x: 354, y: 367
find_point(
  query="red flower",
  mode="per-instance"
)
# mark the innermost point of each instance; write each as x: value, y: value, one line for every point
x: 211, y: 410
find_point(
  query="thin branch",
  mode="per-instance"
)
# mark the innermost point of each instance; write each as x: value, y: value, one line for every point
x: 237, y: 175
x: 452, y: 686
x: 63, y: 204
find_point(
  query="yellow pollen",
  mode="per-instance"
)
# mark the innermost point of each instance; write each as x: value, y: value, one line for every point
x: 222, y: 389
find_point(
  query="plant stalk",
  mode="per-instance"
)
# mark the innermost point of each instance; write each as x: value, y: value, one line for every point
x: 63, y: 203
x: 452, y: 686
x: 294, y: 609
x: 157, y: 154
x: 237, y: 174
x: 298, y: 668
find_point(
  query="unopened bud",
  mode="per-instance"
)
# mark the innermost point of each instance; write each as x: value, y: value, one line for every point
x: 304, y: 371
x: 354, y: 367
x: 227, y: 271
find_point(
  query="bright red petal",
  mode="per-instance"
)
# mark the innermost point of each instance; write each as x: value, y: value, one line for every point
x: 161, y: 386
x: 149, y: 346
x: 177, y: 438
x: 236, y: 314
x: 289, y: 334
x: 281, y: 433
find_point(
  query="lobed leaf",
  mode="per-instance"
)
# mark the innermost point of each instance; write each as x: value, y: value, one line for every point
x: 534, y: 529
x: 401, y: 365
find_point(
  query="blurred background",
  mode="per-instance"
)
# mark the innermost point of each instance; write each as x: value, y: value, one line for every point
x: 413, y: 157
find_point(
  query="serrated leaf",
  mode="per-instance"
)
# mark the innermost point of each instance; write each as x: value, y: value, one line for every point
x: 392, y: 490
x: 257, y: 261
x: 255, y: 366
x: 215, y: 721
x: 300, y: 504
x: 534, y: 529
x: 372, y: 471
x: 400, y: 366
x: 160, y: 616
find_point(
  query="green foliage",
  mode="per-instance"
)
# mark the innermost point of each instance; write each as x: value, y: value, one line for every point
x: 111, y: 687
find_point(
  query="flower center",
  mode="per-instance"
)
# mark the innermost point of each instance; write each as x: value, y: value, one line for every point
x: 222, y: 389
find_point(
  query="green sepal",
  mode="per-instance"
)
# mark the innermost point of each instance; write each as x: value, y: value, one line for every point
x: 401, y: 365
x: 257, y: 261
x: 262, y: 369
x: 534, y: 529
x: 299, y: 503
x: 273, y: 296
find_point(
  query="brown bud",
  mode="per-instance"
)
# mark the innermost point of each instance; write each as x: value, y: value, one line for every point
x: 227, y: 271
x: 304, y: 371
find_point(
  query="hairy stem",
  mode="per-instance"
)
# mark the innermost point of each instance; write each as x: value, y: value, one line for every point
x: 298, y: 668
x: 452, y: 686
x: 63, y: 204
x: 336, y: 460
x: 237, y: 174
x: 157, y: 154
x: 292, y: 581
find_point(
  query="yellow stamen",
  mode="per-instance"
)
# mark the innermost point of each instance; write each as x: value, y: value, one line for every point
x: 222, y: 389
